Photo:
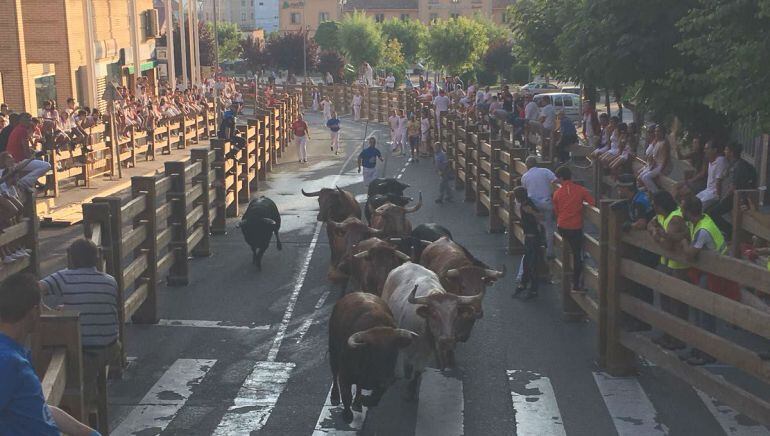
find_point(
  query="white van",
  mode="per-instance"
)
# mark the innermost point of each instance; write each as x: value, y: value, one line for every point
x: 567, y: 103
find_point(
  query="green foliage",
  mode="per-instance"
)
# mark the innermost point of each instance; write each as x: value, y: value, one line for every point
x: 286, y: 51
x: 326, y: 36
x: 255, y: 54
x: 493, y: 30
x: 455, y: 45
x: 332, y: 62
x: 535, y: 25
x: 410, y: 33
x: 498, y: 58
x: 229, y: 38
x: 360, y: 39
x: 393, y: 60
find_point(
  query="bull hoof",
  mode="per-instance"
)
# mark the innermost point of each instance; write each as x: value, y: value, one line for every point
x: 347, y: 416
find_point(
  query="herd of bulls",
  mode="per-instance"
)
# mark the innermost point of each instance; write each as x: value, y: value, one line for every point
x: 420, y: 293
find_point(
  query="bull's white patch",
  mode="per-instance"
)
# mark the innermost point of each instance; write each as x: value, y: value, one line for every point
x: 534, y: 404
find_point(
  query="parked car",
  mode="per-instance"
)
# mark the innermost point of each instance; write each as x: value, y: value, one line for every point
x: 567, y: 103
x: 535, y: 88
x: 572, y: 90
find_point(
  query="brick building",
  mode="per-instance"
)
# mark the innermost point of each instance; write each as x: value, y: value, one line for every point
x: 46, y: 55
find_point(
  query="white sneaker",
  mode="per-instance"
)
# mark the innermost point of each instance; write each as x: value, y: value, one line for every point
x: 17, y: 255
x: 8, y: 259
x: 21, y: 253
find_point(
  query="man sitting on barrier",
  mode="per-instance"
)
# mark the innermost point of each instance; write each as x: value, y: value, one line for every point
x: 228, y: 131
x: 23, y: 410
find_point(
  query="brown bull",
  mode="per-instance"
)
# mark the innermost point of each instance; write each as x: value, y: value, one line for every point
x: 343, y: 237
x: 391, y: 219
x: 371, y: 262
x: 460, y: 274
x: 363, y: 346
x: 335, y: 205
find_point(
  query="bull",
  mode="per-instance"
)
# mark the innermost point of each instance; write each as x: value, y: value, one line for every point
x: 391, y: 219
x: 386, y: 186
x: 335, y: 205
x: 342, y: 238
x: 371, y: 262
x: 258, y: 224
x: 432, y: 313
x: 460, y: 273
x: 424, y: 234
x: 363, y: 349
x: 377, y: 200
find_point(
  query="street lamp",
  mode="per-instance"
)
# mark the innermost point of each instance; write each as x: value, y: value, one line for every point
x: 304, y: 51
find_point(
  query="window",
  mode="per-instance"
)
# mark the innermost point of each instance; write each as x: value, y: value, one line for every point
x: 567, y: 101
x: 576, y: 101
x: 323, y: 16
x: 379, y: 18
x: 404, y: 17
x: 45, y: 89
x: 557, y: 101
x: 296, y: 18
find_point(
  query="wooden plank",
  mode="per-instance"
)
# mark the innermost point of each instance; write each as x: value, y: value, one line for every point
x: 484, y: 198
x: 133, y: 208
x: 588, y: 304
x: 737, y: 270
x: 14, y: 267
x: 722, y: 349
x: 193, y: 170
x: 15, y: 232
x: 194, y: 193
x: 135, y: 300
x: 195, y: 238
x: 163, y: 212
x: 485, y: 166
x: 757, y: 223
x: 134, y: 269
x: 484, y: 182
x: 591, y: 214
x: 733, y: 312
x: 591, y: 246
x: 504, y: 216
x: 162, y: 186
x: 165, y: 262
x: 55, y: 378
x: 194, y: 216
x: 163, y: 238
x: 134, y: 238
x: 591, y: 276
x: 715, y: 385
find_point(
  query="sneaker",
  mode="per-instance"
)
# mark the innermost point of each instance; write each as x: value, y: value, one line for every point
x: 519, y: 289
x: 18, y: 254
x: 8, y: 259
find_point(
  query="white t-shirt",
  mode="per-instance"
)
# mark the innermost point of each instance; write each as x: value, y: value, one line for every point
x: 402, y: 121
x: 393, y: 121
x: 480, y: 97
x: 537, y: 181
x: 704, y: 240
x: 531, y: 111
x: 549, y: 112
x: 327, y: 106
x: 390, y: 82
x: 716, y: 172
x: 442, y: 103
x: 356, y: 100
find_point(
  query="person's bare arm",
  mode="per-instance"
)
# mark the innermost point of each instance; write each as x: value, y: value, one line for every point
x: 69, y: 425
x: 677, y: 231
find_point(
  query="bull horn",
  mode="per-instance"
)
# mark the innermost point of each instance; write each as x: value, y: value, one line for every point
x: 269, y: 221
x: 424, y: 242
x: 339, y: 189
x: 453, y: 273
x: 416, y: 206
x: 406, y: 334
x: 335, y: 225
x: 357, y: 340
x: 374, y: 231
x: 416, y: 300
x: 492, y: 274
x: 403, y: 256
x: 361, y: 255
x: 310, y: 194
x: 469, y: 300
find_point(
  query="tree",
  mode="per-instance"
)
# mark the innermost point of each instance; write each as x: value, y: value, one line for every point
x: 535, y: 25
x: 493, y: 30
x: 455, y: 45
x: 326, y: 36
x: 499, y: 58
x: 360, y: 39
x: 229, y: 38
x: 254, y: 52
x: 332, y: 62
x: 393, y: 60
x: 410, y: 33
x: 206, y: 43
x: 285, y: 51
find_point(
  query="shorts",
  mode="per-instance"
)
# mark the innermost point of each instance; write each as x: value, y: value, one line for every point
x: 414, y: 141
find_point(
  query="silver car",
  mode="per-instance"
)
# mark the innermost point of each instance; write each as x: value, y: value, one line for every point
x: 564, y: 102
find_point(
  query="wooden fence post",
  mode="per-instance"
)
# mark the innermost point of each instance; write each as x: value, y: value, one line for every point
x: 147, y: 313
x: 179, y: 273
x: 741, y: 197
x: 602, y: 268
x: 32, y: 241
x: 618, y: 360
x: 219, y: 223
x: 115, y: 236
x: 205, y: 157
x: 254, y: 157
x: 470, y: 165
x: 496, y: 224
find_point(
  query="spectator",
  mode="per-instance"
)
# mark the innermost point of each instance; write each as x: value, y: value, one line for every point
x: 4, y: 109
x: 532, y: 117
x: 659, y: 163
x: 669, y: 229
x: 23, y: 410
x: 413, y: 138
x: 19, y: 147
x: 301, y: 135
x: 334, y: 127
x: 533, y: 239
x: 608, y: 137
x: 441, y: 105
x: 548, y: 120
x: 395, y: 137
x: 315, y: 96
x: 567, y: 138
x: 538, y: 181
x: 740, y: 175
x: 390, y: 82
x: 568, y: 208
x: 94, y: 294
x: 445, y: 173
x: 368, y: 159
x: 717, y: 169
x: 507, y: 99
x: 326, y: 106
x: 425, y: 131
x: 403, y: 123
x: 591, y: 126
x: 697, y: 160
x: 356, y: 103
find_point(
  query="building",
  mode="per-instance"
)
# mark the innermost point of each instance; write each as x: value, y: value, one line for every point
x: 46, y: 55
x: 295, y: 14
x: 247, y: 14
x: 266, y: 14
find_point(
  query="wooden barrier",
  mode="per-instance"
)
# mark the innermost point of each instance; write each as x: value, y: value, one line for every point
x: 23, y: 234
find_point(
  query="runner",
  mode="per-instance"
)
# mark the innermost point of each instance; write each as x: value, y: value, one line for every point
x: 334, y: 126
x: 368, y: 158
x: 301, y: 135
x: 326, y: 105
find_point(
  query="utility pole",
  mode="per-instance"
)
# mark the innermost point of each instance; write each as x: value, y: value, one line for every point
x: 134, y: 24
x: 190, y: 12
x: 170, y: 59
x: 196, y: 40
x: 88, y: 22
x: 216, y: 52
x: 304, y: 51
x: 183, y: 44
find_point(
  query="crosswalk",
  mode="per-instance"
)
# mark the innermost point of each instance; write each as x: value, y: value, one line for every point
x: 534, y: 405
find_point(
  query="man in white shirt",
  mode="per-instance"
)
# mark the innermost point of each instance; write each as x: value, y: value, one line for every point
x: 532, y: 117
x: 401, y: 132
x: 547, y: 119
x: 395, y: 138
x: 441, y: 104
x: 326, y: 105
x: 390, y: 82
x: 718, y: 166
x: 538, y: 182
x: 481, y: 97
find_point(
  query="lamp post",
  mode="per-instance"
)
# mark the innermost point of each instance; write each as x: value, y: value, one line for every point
x: 304, y: 51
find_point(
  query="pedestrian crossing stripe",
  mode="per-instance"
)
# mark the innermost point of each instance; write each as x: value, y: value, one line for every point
x: 534, y: 404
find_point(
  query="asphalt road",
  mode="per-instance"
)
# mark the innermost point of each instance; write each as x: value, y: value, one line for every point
x: 241, y: 351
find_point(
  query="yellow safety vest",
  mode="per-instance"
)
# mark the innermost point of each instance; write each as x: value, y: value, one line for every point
x: 708, y: 224
x: 668, y: 262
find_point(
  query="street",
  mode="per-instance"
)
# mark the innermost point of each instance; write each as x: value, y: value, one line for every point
x: 240, y: 351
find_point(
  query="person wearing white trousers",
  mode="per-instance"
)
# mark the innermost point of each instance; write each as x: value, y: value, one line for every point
x: 334, y: 128
x: 326, y: 105
x: 357, y: 106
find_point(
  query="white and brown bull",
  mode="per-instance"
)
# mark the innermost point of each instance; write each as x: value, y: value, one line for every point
x: 370, y: 263
x: 420, y: 304
x: 461, y: 274
x: 363, y: 349
x: 335, y: 205
x: 392, y: 220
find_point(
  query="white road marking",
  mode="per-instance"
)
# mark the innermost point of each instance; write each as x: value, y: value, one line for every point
x: 309, y: 321
x: 628, y: 404
x: 256, y: 399
x: 330, y: 420
x: 208, y: 324
x: 534, y: 404
x: 441, y: 406
x: 161, y: 404
x: 730, y: 420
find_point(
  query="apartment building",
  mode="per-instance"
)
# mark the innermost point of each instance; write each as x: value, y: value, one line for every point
x: 46, y: 55
x: 300, y: 13
x: 247, y: 14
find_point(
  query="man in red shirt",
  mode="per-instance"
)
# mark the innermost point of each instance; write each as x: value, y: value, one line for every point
x: 19, y: 147
x: 568, y: 208
x: 301, y: 135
